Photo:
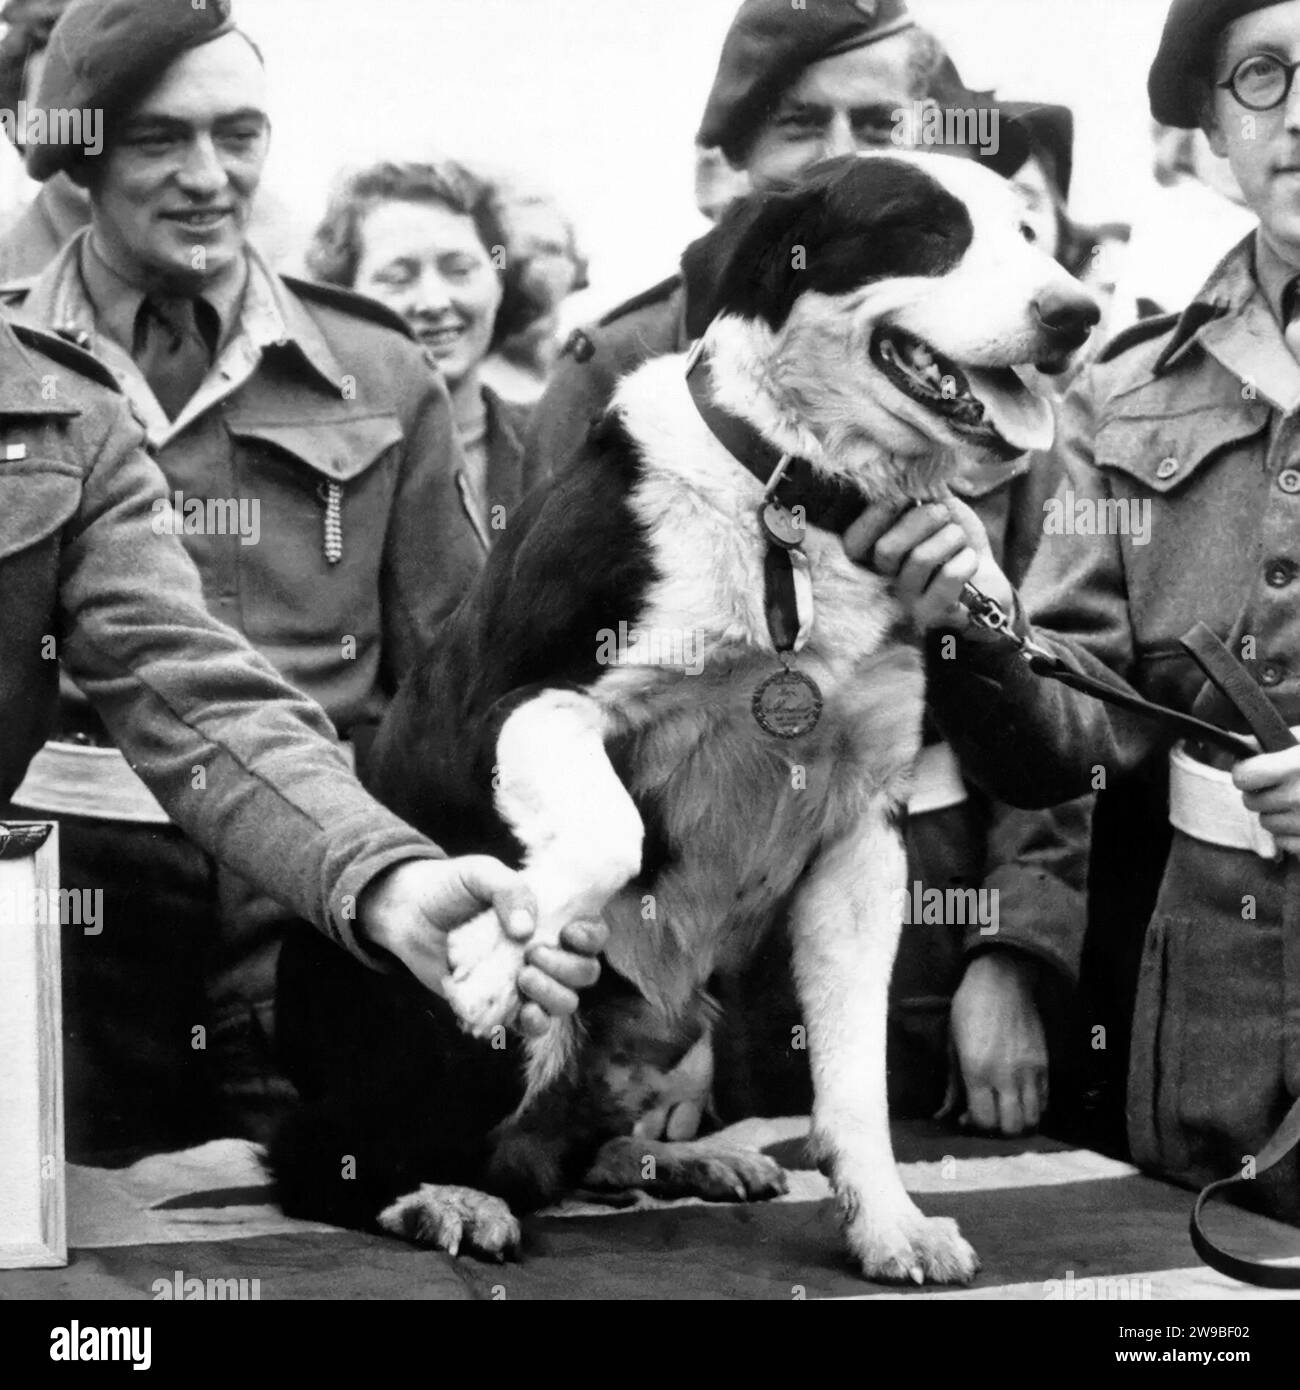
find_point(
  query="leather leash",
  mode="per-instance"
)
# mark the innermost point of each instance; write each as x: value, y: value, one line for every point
x: 988, y: 614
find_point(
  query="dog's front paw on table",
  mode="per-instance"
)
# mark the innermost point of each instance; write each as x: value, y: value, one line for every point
x: 692, y: 1168
x: 445, y: 1218
x: 484, y: 968
x: 914, y: 1249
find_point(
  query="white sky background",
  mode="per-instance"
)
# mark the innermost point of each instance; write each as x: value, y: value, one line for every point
x: 600, y: 99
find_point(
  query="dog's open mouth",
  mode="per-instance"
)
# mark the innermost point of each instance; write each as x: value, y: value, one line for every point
x: 991, y: 406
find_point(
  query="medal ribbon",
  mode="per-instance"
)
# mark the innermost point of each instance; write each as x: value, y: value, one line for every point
x: 780, y: 606
x: 787, y: 597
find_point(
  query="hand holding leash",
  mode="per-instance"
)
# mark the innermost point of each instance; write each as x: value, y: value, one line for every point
x: 1271, y: 786
x: 932, y: 551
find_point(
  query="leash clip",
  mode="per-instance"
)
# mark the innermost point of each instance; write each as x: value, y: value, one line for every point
x: 987, y: 613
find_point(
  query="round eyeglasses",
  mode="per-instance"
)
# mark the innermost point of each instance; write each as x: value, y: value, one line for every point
x: 1261, y: 81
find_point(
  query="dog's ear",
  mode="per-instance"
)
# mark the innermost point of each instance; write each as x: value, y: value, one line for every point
x: 845, y: 223
x: 747, y: 263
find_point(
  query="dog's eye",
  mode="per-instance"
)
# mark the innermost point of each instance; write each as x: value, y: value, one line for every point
x: 1028, y: 233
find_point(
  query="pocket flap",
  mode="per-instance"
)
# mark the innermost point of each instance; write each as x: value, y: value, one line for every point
x: 36, y: 500
x: 1163, y: 452
x: 339, y: 449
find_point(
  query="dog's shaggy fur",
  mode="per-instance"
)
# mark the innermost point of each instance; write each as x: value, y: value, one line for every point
x: 864, y: 320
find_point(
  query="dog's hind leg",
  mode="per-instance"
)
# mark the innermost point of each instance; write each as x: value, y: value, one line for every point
x: 581, y: 833
x: 846, y: 919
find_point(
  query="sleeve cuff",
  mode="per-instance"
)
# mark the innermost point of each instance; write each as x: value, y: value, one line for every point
x: 348, y: 880
x: 1038, y: 915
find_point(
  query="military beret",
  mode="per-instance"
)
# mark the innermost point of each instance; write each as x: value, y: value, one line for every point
x: 1185, y: 54
x: 28, y: 24
x: 1050, y: 130
x: 952, y: 97
x: 771, y: 42
x: 104, y: 54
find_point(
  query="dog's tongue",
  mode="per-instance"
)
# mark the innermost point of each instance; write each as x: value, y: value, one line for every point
x: 1021, y: 416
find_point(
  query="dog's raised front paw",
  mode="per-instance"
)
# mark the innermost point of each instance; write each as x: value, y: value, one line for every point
x: 445, y: 1217
x: 915, y: 1249
x: 695, y: 1168
x: 484, y: 967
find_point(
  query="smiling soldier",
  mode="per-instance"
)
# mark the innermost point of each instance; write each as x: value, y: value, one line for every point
x: 308, y: 401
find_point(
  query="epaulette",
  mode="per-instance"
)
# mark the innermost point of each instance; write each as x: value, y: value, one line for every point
x: 349, y: 302
x: 60, y: 350
x: 1141, y: 332
x: 656, y: 294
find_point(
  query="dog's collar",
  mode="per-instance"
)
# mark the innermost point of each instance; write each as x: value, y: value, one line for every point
x: 829, y: 503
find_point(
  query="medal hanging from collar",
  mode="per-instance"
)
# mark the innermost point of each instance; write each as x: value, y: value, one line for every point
x: 788, y: 703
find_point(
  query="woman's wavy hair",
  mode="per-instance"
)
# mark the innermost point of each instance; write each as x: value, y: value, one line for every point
x: 335, y: 251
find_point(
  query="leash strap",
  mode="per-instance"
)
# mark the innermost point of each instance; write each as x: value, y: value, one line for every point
x: 1226, y: 673
x: 988, y: 614
x: 1265, y: 1276
x: 1053, y: 668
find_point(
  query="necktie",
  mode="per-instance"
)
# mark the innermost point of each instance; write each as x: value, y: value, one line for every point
x: 174, y: 344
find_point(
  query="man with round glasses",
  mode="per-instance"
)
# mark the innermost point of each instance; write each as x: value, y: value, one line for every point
x: 1195, y: 419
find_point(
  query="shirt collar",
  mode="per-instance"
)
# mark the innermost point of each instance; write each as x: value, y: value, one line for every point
x: 1276, y: 279
x: 267, y: 316
x: 115, y: 299
x: 1228, y: 291
x: 1235, y: 319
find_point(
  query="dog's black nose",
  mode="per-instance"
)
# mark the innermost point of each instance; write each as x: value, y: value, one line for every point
x: 1068, y: 315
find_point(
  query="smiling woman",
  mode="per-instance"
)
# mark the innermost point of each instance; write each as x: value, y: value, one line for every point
x: 427, y: 240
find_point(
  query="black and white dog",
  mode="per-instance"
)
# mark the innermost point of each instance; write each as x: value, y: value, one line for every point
x: 610, y: 712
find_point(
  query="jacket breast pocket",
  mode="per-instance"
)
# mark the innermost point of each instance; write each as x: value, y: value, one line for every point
x: 1185, y: 495
x: 37, y: 498
x: 1162, y: 453
x: 310, y: 555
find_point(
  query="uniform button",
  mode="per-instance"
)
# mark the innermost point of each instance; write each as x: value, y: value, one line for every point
x: 1289, y: 480
x: 1279, y: 573
x: 1270, y: 673
x: 1167, y: 468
